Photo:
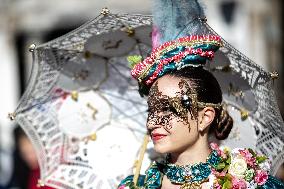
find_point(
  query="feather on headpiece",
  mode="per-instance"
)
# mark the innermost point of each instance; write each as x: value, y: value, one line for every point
x: 180, y: 38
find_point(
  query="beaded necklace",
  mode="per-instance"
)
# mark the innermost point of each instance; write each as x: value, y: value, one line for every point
x: 188, y: 176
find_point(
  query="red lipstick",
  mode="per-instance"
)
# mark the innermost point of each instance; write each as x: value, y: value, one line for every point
x: 157, y: 136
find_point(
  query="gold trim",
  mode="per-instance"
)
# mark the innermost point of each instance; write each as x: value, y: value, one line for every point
x: 32, y: 47
x: 274, y: 75
x: 12, y: 116
x: 105, y: 11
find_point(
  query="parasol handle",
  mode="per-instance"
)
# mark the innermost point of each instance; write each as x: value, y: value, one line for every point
x: 141, y: 156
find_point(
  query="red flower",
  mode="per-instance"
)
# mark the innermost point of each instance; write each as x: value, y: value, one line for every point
x: 261, y: 177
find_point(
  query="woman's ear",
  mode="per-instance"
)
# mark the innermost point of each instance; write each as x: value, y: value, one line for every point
x: 205, y: 118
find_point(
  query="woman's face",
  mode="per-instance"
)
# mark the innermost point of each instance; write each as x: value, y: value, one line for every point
x: 171, y: 126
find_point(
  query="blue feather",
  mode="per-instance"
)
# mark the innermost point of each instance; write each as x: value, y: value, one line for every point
x: 177, y: 18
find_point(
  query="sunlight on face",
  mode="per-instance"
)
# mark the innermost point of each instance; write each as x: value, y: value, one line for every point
x: 170, y: 130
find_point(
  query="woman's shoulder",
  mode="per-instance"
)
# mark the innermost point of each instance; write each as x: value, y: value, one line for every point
x: 128, y: 183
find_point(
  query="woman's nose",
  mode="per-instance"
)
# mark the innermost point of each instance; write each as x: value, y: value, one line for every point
x: 154, y: 121
x: 152, y: 126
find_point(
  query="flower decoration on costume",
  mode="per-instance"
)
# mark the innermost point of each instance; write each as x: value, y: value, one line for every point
x: 186, y: 51
x: 224, y: 169
x: 240, y: 169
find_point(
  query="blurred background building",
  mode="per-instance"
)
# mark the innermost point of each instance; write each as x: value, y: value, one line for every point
x: 254, y: 27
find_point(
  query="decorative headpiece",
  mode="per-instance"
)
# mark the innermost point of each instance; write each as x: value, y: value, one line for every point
x: 186, y: 51
x: 180, y: 39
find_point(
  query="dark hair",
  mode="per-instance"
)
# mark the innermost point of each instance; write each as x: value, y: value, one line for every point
x: 208, y: 90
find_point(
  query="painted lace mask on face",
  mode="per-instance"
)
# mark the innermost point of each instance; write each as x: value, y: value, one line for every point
x: 163, y: 109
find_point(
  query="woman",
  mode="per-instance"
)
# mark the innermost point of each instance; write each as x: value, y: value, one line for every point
x: 185, y: 107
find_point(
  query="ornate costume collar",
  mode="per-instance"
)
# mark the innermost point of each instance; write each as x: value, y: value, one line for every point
x: 237, y: 168
x: 225, y: 169
x: 189, y: 176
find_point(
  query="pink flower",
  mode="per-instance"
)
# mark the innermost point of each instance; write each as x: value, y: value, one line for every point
x: 239, y: 184
x: 251, y: 161
x: 123, y: 187
x: 215, y: 147
x: 261, y: 177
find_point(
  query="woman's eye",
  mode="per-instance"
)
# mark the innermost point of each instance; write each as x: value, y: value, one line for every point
x: 165, y: 109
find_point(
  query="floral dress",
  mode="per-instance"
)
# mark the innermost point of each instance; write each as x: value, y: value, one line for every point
x: 224, y: 168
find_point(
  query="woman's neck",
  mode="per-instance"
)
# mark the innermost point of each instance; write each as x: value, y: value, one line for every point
x: 196, y: 153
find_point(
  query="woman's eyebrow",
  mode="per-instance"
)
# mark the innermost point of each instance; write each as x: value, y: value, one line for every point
x: 159, y: 102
